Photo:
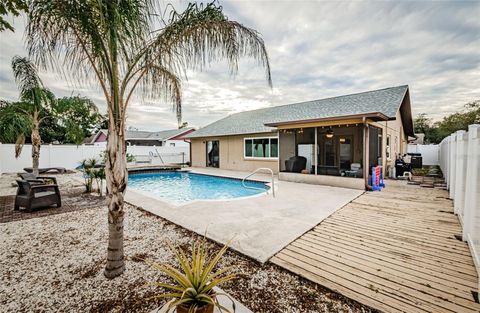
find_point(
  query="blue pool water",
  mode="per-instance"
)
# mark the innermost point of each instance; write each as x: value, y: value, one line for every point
x: 181, y: 187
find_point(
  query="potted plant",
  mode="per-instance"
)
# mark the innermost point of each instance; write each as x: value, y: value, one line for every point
x: 193, y: 287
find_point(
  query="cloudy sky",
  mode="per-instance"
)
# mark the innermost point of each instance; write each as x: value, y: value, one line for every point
x: 317, y: 50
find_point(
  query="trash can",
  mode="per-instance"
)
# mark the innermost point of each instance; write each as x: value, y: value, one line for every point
x: 399, y: 167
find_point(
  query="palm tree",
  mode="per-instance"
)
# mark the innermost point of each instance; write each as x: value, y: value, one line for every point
x: 129, y: 47
x: 23, y: 118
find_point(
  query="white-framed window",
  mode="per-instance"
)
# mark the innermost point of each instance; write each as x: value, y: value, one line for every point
x: 260, y: 148
x: 172, y: 144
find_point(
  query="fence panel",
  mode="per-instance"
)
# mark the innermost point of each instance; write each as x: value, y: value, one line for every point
x: 453, y: 159
x: 460, y: 172
x: 430, y: 153
x: 460, y: 161
x: 471, y: 217
x: 69, y: 156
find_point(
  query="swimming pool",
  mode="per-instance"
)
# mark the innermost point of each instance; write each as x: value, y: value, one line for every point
x: 182, y: 187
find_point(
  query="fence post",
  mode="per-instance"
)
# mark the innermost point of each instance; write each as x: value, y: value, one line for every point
x: 452, y: 158
x: 460, y: 171
x: 472, y: 188
x: 445, y: 156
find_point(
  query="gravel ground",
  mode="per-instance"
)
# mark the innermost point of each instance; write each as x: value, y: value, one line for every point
x: 54, y: 264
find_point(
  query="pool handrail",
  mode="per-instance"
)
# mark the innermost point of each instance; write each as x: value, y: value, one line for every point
x: 152, y: 155
x: 254, y: 172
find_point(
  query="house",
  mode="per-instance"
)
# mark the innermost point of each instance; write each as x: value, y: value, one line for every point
x: 168, y: 138
x: 340, y: 138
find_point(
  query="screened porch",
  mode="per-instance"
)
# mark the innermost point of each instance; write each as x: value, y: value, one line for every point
x: 331, y: 154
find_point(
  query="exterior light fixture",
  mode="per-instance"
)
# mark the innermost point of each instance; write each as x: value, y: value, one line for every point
x: 329, y: 133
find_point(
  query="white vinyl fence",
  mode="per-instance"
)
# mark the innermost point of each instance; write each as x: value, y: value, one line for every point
x: 430, y: 153
x: 460, y: 163
x: 69, y: 156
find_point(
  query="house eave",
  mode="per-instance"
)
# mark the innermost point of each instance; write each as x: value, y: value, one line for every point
x: 375, y: 116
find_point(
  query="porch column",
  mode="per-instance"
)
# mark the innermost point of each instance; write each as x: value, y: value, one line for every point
x: 315, y: 158
x: 279, y: 160
x: 366, y: 148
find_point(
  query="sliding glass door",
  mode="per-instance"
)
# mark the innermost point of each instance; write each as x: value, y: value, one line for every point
x: 213, y: 153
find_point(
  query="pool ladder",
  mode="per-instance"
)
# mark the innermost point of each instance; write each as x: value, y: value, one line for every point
x: 152, y: 155
x: 256, y: 171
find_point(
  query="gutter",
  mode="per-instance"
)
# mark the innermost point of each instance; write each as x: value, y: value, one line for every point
x: 378, y: 115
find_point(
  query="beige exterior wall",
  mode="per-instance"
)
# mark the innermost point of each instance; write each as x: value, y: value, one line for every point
x: 232, y: 148
x: 231, y: 153
x: 334, y: 181
x: 398, y: 140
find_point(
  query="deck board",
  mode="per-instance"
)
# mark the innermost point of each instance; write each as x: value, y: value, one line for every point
x: 393, y: 250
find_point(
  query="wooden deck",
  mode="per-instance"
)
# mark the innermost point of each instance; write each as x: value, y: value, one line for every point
x: 393, y: 250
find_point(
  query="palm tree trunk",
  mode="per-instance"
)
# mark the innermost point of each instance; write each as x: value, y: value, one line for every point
x: 116, y: 176
x: 36, y: 142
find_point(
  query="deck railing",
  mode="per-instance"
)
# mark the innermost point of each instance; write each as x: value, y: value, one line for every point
x: 460, y: 163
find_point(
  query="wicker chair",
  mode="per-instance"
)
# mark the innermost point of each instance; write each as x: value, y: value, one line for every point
x: 32, y: 195
x: 41, y: 179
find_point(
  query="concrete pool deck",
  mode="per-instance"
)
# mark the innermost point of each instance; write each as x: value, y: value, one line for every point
x: 260, y: 226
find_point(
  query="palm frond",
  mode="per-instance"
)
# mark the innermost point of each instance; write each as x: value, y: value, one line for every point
x: 14, y: 121
x: 25, y: 74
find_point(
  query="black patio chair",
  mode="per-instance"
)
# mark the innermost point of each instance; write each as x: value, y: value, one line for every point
x: 33, y: 195
x: 295, y: 164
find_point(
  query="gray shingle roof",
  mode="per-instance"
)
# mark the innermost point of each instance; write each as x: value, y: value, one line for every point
x: 386, y: 101
x: 160, y: 135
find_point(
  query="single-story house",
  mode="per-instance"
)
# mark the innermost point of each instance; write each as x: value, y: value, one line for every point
x: 164, y: 138
x: 334, y: 141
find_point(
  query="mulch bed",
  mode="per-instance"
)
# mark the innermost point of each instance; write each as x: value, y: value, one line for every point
x: 72, y: 200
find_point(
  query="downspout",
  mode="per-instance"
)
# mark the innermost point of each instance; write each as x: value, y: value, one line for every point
x: 366, y: 148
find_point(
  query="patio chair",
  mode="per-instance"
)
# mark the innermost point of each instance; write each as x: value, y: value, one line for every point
x: 34, y: 195
x: 41, y: 179
x: 295, y: 164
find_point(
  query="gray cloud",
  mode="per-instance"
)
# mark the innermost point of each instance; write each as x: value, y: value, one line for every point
x: 317, y: 50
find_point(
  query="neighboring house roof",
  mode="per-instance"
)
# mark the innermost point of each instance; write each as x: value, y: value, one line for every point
x: 90, y: 139
x: 383, y: 102
x: 95, y: 137
x: 146, y: 135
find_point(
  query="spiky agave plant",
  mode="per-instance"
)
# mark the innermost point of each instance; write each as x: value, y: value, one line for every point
x: 193, y: 290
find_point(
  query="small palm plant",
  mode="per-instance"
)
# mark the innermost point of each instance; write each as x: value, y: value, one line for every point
x: 193, y: 290
x: 99, y: 175
x: 88, y: 167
